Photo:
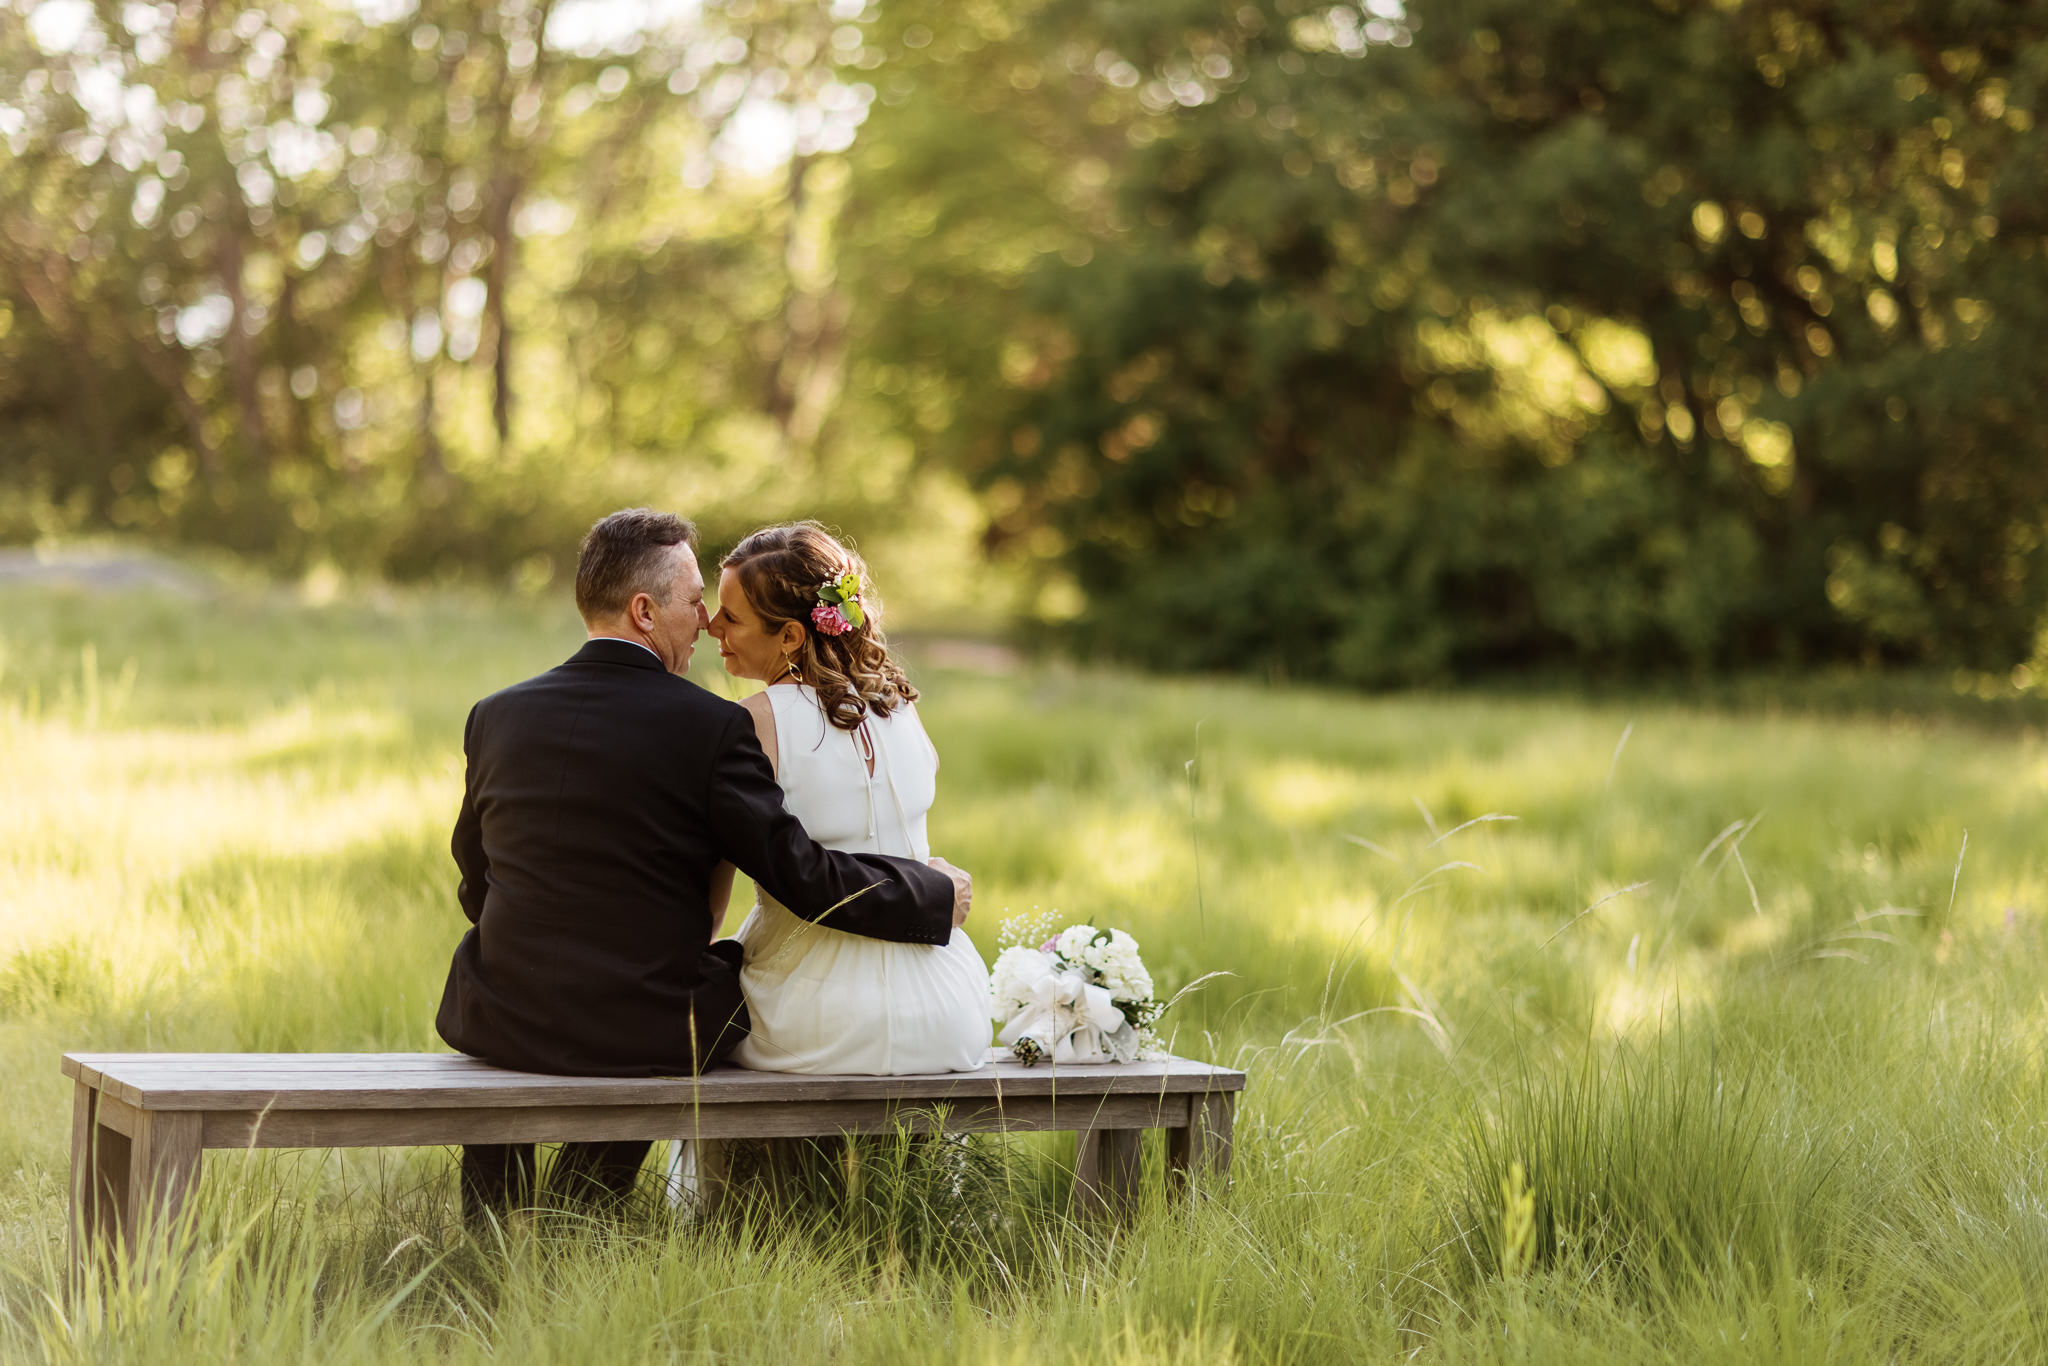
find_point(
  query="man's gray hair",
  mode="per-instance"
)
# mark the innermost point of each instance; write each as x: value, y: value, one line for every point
x: 628, y: 553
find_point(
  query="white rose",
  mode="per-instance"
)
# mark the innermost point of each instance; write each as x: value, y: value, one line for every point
x: 1016, y: 972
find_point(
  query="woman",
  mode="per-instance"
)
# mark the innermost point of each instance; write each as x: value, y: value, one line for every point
x: 796, y: 610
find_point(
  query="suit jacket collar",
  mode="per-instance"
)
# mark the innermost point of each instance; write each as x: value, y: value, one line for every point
x: 618, y: 652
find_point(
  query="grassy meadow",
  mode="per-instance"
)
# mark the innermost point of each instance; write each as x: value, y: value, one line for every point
x: 1761, y: 1035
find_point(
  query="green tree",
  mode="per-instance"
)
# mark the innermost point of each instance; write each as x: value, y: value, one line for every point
x: 1390, y: 342
x: 420, y: 287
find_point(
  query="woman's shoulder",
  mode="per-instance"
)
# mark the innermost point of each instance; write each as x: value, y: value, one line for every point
x: 761, y: 713
x: 793, y: 700
x: 795, y: 706
x: 911, y: 725
x: 761, y: 707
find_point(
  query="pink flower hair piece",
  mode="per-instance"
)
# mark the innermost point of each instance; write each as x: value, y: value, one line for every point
x: 830, y: 620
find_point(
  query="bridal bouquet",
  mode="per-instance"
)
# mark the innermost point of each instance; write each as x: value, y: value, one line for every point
x: 1081, y: 996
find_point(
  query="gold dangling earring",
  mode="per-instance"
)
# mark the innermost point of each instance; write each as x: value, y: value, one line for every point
x: 790, y: 670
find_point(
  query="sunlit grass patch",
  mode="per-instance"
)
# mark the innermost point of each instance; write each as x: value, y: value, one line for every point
x: 1765, y: 1038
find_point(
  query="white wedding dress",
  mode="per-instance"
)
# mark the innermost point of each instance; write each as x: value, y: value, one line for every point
x: 825, y: 1001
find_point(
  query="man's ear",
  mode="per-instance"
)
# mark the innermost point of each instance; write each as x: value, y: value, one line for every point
x: 640, y: 611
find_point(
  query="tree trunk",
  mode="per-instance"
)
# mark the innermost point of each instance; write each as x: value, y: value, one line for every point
x: 241, y: 353
x: 170, y: 376
x: 504, y: 197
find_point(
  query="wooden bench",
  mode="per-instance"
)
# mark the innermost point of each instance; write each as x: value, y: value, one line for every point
x: 141, y: 1121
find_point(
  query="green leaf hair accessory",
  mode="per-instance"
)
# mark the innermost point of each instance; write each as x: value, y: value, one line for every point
x: 839, y: 610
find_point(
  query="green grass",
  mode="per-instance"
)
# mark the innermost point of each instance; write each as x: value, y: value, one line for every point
x: 1783, y: 1100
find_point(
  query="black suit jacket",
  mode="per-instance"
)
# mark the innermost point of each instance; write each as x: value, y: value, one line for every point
x: 597, y: 799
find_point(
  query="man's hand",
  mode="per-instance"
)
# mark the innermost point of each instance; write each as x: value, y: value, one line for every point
x: 963, y: 889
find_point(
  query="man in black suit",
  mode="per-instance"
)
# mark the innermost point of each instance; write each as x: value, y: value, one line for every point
x: 597, y: 799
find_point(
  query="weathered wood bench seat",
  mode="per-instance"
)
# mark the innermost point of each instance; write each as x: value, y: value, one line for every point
x: 140, y: 1121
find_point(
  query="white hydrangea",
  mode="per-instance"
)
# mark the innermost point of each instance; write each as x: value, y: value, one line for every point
x: 1073, y: 942
x: 1121, y: 969
x: 1110, y: 958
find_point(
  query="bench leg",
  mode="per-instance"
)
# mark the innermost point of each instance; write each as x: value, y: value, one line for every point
x: 1106, y: 1171
x: 126, y: 1185
x: 1203, y: 1147
x: 163, y: 1172
x: 99, y: 1179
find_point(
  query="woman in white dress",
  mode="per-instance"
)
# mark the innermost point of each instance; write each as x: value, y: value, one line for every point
x: 837, y: 720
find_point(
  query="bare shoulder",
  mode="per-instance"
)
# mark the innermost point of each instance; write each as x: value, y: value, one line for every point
x: 762, y: 710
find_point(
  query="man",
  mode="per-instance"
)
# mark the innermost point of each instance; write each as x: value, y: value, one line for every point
x: 597, y: 800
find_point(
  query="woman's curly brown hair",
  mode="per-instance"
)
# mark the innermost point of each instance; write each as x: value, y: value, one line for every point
x: 781, y: 569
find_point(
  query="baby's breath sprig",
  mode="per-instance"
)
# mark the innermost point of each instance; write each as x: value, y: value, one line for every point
x: 1028, y: 931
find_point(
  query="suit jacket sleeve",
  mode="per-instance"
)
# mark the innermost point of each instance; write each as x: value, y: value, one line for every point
x: 873, y: 895
x: 468, y: 844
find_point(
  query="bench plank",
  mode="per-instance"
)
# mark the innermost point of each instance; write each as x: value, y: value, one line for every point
x: 432, y: 1081
x: 770, y: 1119
x: 141, y: 1121
x: 316, y: 1064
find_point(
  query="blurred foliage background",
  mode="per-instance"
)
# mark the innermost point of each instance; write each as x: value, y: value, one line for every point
x: 1381, y: 344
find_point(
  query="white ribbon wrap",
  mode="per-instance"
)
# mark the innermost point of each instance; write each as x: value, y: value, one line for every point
x: 1072, y: 1019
